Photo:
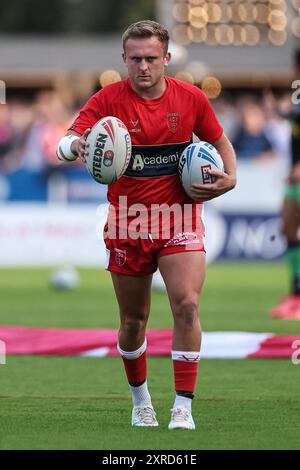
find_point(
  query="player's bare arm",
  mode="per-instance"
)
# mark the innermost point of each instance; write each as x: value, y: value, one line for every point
x: 225, y: 181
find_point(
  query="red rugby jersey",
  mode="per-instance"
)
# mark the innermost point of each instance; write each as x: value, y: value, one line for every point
x: 160, y: 129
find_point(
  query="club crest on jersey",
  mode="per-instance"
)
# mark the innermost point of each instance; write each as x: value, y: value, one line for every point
x: 173, y: 120
x: 135, y: 125
x: 120, y: 257
x: 108, y: 158
x: 134, y: 122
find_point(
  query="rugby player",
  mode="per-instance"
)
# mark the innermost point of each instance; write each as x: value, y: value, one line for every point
x: 289, y: 307
x: 161, y: 114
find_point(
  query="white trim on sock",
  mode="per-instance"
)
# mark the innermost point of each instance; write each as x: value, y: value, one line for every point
x: 133, y: 354
x: 186, y: 356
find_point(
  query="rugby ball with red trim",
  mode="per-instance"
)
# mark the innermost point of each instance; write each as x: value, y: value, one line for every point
x: 109, y: 150
x: 195, y: 162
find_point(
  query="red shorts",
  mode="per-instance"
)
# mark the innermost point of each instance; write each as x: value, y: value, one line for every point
x: 138, y: 257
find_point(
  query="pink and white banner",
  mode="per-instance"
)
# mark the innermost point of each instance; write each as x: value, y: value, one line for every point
x: 102, y: 342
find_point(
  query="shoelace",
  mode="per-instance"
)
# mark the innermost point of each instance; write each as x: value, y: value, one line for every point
x: 146, y: 414
x: 179, y: 414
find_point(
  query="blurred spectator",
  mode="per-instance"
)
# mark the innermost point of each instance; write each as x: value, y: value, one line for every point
x: 51, y: 118
x: 251, y: 141
x: 6, y: 134
x: 278, y: 128
x: 227, y: 115
x: 15, y: 122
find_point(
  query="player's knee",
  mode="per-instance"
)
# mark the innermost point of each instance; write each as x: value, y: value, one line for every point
x: 133, y: 326
x: 186, y: 314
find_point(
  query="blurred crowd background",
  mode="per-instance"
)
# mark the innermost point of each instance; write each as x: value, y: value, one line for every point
x: 30, y: 129
x: 240, y: 52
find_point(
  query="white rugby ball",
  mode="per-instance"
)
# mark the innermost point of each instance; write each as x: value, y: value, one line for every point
x: 195, y: 162
x: 109, y: 150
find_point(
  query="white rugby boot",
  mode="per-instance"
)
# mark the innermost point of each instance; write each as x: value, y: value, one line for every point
x: 181, y: 418
x: 144, y: 415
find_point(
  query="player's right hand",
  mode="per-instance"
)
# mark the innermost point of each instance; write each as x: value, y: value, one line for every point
x: 81, y: 146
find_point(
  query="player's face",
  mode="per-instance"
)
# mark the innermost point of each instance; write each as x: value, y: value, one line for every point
x: 145, y: 60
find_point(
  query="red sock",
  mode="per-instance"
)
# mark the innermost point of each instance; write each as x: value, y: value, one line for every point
x: 136, y: 369
x: 185, y: 375
x: 185, y: 364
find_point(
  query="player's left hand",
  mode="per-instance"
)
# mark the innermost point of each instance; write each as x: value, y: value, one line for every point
x: 205, y: 192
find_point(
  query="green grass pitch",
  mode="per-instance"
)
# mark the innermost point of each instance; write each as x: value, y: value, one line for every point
x: 84, y: 403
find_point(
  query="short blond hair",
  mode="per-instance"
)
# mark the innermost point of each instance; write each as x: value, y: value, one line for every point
x: 147, y: 29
